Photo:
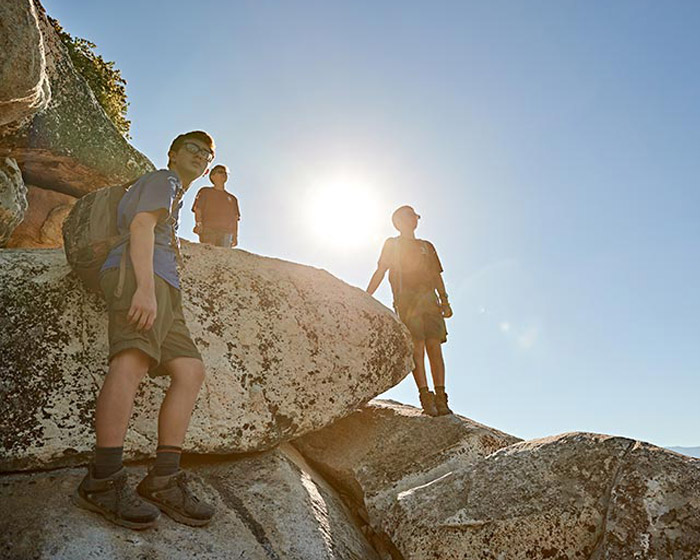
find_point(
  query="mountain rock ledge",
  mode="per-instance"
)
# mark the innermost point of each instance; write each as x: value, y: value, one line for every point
x: 288, y: 349
x: 448, y: 488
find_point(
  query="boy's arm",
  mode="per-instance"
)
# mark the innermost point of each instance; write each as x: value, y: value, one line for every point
x: 143, y: 308
x: 196, y: 208
x: 445, y: 307
x: 382, y: 267
x: 376, y: 279
x: 440, y: 287
x: 234, y: 236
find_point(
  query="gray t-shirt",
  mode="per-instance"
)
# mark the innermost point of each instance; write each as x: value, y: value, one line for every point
x: 154, y: 191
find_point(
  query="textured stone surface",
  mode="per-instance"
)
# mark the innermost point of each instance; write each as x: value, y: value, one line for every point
x: 71, y: 146
x: 24, y: 84
x: 571, y: 496
x: 269, y: 506
x: 42, y: 226
x: 13, y: 198
x: 449, y: 488
x: 387, y: 448
x: 654, y: 509
x: 288, y: 349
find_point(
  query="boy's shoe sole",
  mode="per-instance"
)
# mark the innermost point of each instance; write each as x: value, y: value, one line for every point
x: 177, y: 516
x: 81, y: 502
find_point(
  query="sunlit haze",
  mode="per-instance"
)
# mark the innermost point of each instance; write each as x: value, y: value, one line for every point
x: 344, y: 212
x: 551, y: 149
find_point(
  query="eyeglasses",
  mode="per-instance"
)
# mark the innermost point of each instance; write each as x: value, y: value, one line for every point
x: 192, y: 148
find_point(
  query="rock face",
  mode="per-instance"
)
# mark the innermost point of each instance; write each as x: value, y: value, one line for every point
x: 13, y: 198
x: 269, y: 506
x: 387, y: 448
x: 572, y: 496
x: 42, y: 226
x: 288, y: 349
x: 654, y: 508
x: 441, y: 489
x: 24, y: 84
x: 70, y: 146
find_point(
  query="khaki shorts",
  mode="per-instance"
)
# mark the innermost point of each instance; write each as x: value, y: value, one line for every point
x: 420, y: 312
x: 169, y: 336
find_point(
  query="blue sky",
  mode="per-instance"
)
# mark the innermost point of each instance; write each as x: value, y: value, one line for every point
x: 550, y: 148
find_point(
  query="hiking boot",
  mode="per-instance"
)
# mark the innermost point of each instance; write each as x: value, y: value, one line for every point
x: 441, y: 404
x: 427, y: 401
x: 173, y: 496
x: 113, y: 498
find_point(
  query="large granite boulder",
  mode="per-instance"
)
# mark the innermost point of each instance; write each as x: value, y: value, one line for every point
x: 288, y: 349
x: 70, y: 146
x: 576, y: 495
x: 385, y: 449
x: 42, y: 226
x: 269, y: 506
x: 13, y: 198
x: 654, y: 506
x: 24, y: 83
x: 448, y: 488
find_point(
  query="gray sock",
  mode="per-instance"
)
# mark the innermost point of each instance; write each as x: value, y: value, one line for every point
x: 108, y: 460
x: 167, y: 460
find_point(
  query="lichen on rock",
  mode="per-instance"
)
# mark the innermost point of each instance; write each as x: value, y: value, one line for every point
x: 287, y: 348
x: 70, y: 145
x: 13, y: 198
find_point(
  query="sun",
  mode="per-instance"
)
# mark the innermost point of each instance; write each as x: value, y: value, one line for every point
x: 343, y: 212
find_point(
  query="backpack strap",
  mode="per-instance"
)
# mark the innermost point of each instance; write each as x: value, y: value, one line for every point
x: 398, y: 263
x: 122, y: 261
x: 122, y: 273
x: 173, y: 241
x: 173, y: 235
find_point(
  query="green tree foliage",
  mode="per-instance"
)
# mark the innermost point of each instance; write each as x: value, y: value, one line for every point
x: 103, y: 78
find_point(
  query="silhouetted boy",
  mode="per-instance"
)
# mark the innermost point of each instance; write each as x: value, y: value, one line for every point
x: 216, y: 211
x: 415, y: 277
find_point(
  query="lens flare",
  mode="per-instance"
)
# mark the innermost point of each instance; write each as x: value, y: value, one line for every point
x: 344, y: 213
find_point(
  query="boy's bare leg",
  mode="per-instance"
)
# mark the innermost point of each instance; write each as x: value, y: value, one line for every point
x: 437, y: 368
x: 427, y: 398
x: 116, y: 399
x: 437, y: 363
x: 105, y: 487
x: 419, y: 363
x: 165, y: 485
x: 186, y: 378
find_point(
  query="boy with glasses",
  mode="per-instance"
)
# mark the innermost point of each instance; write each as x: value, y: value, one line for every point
x: 216, y: 211
x: 415, y: 275
x: 148, y: 334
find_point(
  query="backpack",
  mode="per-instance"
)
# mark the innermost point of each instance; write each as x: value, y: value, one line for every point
x: 90, y: 232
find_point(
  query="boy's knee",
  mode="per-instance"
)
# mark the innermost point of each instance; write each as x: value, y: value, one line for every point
x: 130, y: 366
x: 198, y: 374
x: 189, y: 371
x: 433, y: 345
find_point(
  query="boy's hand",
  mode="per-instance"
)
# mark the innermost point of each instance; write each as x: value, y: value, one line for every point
x: 445, y: 308
x: 143, y: 310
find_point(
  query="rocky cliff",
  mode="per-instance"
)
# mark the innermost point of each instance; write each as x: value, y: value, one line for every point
x: 51, y: 125
x: 288, y: 349
x: 283, y: 440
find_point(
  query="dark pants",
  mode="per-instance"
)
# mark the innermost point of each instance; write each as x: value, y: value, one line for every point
x: 217, y: 237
